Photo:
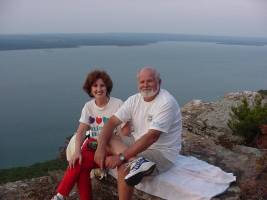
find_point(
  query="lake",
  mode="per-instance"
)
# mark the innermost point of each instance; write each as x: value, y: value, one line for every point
x: 42, y: 97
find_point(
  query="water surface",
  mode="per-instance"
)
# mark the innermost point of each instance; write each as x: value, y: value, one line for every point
x: 42, y: 97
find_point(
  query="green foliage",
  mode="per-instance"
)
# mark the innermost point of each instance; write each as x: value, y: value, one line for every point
x: 263, y: 92
x: 36, y: 170
x: 245, y: 119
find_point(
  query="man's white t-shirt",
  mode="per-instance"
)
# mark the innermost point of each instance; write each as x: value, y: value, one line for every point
x: 96, y: 116
x: 162, y: 114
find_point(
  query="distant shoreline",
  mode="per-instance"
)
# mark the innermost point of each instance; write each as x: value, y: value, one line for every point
x: 242, y: 44
x: 51, y: 41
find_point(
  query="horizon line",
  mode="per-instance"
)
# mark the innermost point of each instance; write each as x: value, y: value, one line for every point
x: 83, y: 33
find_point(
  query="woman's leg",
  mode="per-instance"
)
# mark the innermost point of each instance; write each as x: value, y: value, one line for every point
x: 118, y: 144
x: 84, y: 181
x: 69, y: 179
x: 72, y: 175
x: 81, y: 173
x: 84, y: 185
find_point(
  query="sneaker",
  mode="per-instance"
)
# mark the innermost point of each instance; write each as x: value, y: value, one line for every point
x: 57, y: 198
x: 139, y: 168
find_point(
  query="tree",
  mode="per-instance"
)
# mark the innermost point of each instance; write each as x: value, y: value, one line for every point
x: 245, y: 119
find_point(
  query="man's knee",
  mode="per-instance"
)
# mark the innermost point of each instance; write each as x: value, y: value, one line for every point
x: 122, y: 171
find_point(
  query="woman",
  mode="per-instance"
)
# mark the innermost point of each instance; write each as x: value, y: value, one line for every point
x: 95, y: 114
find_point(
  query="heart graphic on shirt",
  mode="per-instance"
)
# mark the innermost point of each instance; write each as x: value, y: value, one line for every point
x: 98, y: 120
x: 105, y: 119
x: 91, y: 120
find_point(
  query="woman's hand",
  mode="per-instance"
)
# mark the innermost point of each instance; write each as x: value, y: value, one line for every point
x: 76, y: 156
x: 80, y: 136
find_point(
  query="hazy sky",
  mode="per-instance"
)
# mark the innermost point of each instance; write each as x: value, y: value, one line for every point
x: 213, y: 17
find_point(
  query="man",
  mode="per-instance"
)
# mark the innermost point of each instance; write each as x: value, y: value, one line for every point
x: 156, y: 120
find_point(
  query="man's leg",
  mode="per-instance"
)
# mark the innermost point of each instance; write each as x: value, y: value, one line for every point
x: 124, y: 190
x: 162, y: 163
x: 149, y: 162
x: 116, y: 146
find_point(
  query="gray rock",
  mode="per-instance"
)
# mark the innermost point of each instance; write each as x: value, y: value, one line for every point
x: 205, y: 136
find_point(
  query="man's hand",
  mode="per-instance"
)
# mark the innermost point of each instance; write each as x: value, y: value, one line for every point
x: 103, y: 140
x: 113, y: 162
x: 100, y: 157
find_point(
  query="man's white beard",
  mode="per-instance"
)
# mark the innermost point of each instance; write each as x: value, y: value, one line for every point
x: 149, y: 93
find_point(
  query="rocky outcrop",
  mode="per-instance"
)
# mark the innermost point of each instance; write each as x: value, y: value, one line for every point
x: 44, y: 188
x: 210, y: 118
x: 205, y: 136
x: 31, y: 189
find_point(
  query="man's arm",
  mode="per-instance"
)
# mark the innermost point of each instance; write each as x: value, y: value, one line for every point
x: 142, y: 143
x: 103, y: 140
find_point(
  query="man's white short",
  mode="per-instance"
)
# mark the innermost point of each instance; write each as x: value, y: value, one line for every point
x: 162, y: 163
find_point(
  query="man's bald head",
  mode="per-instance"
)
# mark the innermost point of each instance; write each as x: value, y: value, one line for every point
x: 149, y: 70
x: 148, y: 83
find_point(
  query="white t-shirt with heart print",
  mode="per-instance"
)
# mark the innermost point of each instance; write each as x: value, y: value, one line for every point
x: 96, y: 116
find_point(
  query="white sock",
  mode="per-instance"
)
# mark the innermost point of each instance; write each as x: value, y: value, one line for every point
x: 60, y: 196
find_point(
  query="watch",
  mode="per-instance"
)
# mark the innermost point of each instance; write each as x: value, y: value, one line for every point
x: 122, y: 157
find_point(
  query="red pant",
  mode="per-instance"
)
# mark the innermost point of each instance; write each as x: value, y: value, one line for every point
x: 79, y: 174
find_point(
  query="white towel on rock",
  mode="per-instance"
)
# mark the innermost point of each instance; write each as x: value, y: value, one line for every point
x: 189, y: 179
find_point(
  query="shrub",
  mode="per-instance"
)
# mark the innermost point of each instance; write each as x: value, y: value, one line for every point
x: 263, y: 92
x: 245, y: 119
x: 35, y: 170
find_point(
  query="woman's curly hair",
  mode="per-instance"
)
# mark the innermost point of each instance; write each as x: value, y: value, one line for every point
x: 93, y: 76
